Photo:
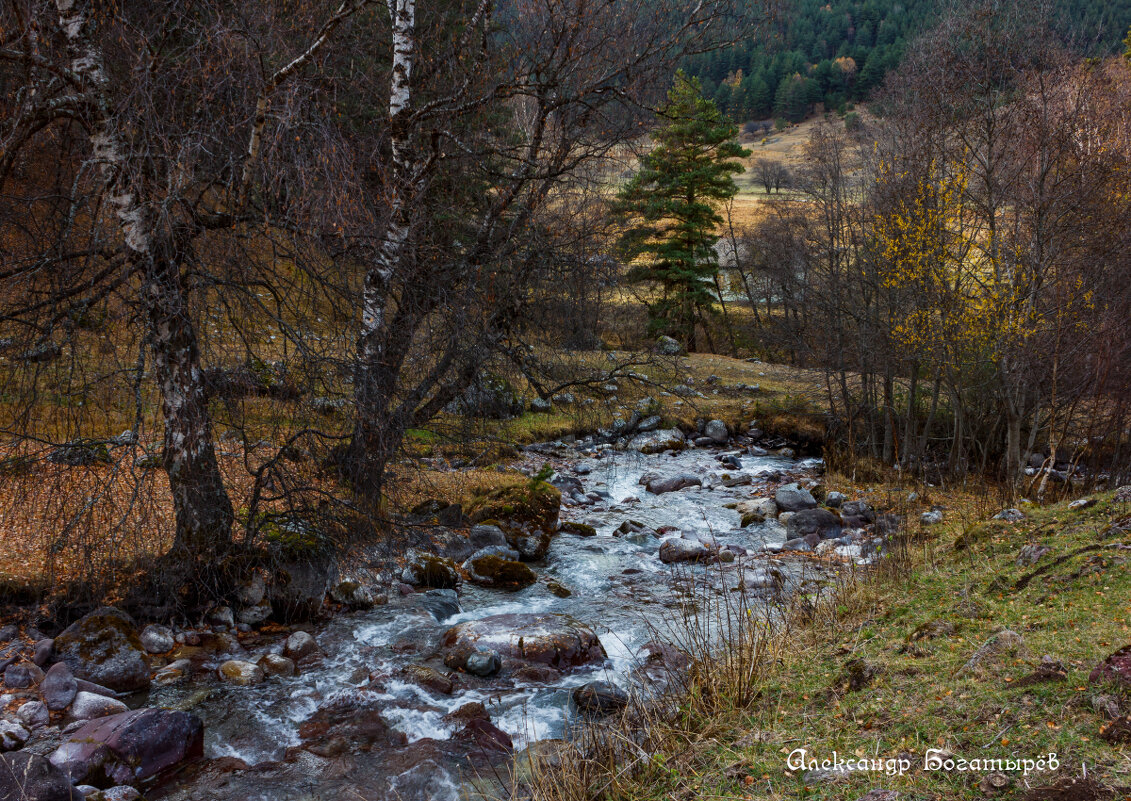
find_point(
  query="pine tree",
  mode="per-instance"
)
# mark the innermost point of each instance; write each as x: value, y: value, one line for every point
x: 669, y: 208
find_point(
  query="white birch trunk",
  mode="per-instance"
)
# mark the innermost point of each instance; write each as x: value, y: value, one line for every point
x: 201, y: 504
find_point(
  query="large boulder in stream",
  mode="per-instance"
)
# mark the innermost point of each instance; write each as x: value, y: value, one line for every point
x: 104, y: 647
x: 558, y: 641
x: 662, y: 484
x: 794, y: 498
x: 526, y: 513
x: 675, y: 550
x: 490, y: 569
x: 668, y: 439
x: 130, y: 747
x: 825, y: 523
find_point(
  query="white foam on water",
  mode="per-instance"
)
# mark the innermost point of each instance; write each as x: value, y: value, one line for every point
x: 417, y: 724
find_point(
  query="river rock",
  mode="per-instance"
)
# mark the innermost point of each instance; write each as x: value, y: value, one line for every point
x: 33, y: 714
x: 254, y: 615
x: 42, y: 653
x: 252, y: 591
x: 157, y: 639
x: 24, y: 775
x: 104, y: 647
x: 244, y: 674
x: 18, y: 677
x: 130, y: 747
x: 658, y: 486
x: 531, y: 546
x: 276, y: 665
x: 835, y: 499
x: 58, y: 687
x: 548, y: 639
x: 88, y: 706
x: 822, y: 522
x: 352, y: 594
x: 442, y: 604
x: 491, y: 570
x: 428, y: 678
x: 13, y: 736
x: 173, y: 673
x: 122, y: 792
x: 857, y: 514
x: 675, y: 550
x: 482, y: 536
x: 667, y: 439
x: 794, y: 498
x: 429, y: 570
x: 717, y: 431
x: 599, y: 698
x: 756, y: 510
x: 300, y: 645
x: 483, y: 663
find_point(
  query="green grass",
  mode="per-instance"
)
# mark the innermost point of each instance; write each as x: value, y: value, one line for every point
x: 915, y: 630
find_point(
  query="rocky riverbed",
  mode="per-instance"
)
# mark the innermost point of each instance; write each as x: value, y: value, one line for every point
x: 453, y: 665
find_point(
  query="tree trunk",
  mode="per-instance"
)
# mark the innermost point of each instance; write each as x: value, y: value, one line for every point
x: 201, y: 505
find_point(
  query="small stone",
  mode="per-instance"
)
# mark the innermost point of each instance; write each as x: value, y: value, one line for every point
x: 994, y: 783
x: 931, y: 518
x: 88, y: 706
x: 300, y: 644
x: 43, y: 650
x: 33, y: 714
x: 599, y: 697
x: 18, y: 677
x: 8, y: 633
x: 58, y: 687
x: 12, y: 736
x: 1010, y: 515
x: 157, y: 639
x: 122, y: 792
x: 484, y: 664
x: 276, y: 665
x: 834, y: 499
x: 222, y: 616
x: 244, y: 674
x: 254, y: 615
x: 1082, y: 503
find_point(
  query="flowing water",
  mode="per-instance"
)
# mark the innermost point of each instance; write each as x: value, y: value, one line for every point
x: 619, y: 588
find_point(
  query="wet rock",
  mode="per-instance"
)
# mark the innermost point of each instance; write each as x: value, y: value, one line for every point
x: 276, y: 665
x: 716, y: 430
x: 531, y: 547
x: 580, y: 529
x: 299, y: 645
x: 24, y: 775
x: 428, y: 678
x: 13, y: 736
x: 486, y: 536
x: 676, y: 550
x: 157, y: 639
x: 1115, y: 668
x: 442, y: 604
x: 668, y: 439
x: 130, y: 747
x: 558, y: 589
x: 58, y: 687
x: 483, y: 663
x: 794, y: 498
x: 548, y: 639
x: 659, y: 486
x: 806, y: 543
x: 429, y: 570
x: 352, y: 594
x: 173, y: 673
x: 88, y: 706
x: 502, y: 574
x: 244, y: 674
x: 822, y: 522
x: 104, y: 647
x: 33, y: 714
x: 599, y: 698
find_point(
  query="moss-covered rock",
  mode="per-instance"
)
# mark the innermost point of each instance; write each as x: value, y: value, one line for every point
x: 428, y: 570
x: 104, y: 647
x: 492, y: 570
x: 533, y: 504
x: 580, y: 529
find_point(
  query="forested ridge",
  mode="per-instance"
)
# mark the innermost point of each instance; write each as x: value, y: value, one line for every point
x: 834, y: 53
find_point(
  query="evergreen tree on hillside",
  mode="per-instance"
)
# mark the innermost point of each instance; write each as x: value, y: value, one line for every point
x: 669, y: 209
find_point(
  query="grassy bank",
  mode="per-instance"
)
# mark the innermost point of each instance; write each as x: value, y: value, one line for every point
x: 962, y: 643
